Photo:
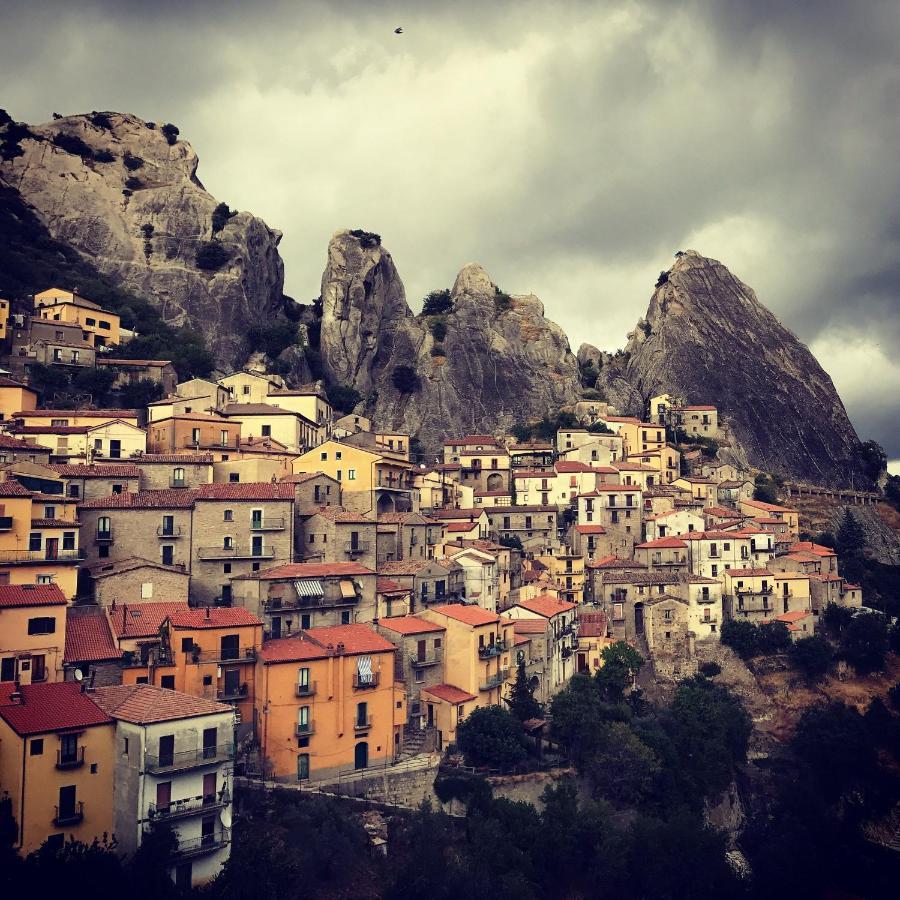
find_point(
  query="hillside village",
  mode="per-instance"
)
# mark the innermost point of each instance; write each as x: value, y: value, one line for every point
x: 237, y: 576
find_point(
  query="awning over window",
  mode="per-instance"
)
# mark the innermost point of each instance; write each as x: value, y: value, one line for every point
x: 309, y: 587
x: 348, y: 591
x: 364, y: 669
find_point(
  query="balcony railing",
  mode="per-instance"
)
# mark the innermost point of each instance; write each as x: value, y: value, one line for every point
x: 267, y: 523
x: 236, y: 553
x: 189, y: 759
x: 174, y: 531
x: 358, y: 548
x: 6, y: 522
x: 190, y: 806
x: 306, y: 690
x: 365, y: 682
x: 23, y: 557
x: 206, y: 843
x: 178, y: 483
x: 69, y: 815
x: 233, y: 693
x: 306, y: 603
x: 494, y: 681
x: 431, y: 658
x: 104, y: 536
x: 222, y: 655
x: 492, y: 650
x: 305, y: 728
x: 70, y: 760
x: 362, y: 724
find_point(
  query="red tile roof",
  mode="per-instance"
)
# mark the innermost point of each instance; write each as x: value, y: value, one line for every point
x: 12, y: 595
x: 590, y: 529
x: 214, y: 617
x: 768, y: 507
x: 76, y: 414
x: 472, y: 439
x: 249, y: 490
x: 530, y: 626
x: 464, y: 526
x: 97, y: 471
x: 545, y: 605
x: 698, y: 408
x: 405, y: 566
x: 810, y: 547
x: 749, y: 573
x: 143, y: 704
x: 176, y: 498
x: 663, y: 543
x: 319, y: 643
x: 132, y: 620
x: 12, y: 488
x: 88, y: 637
x: 449, y: 693
x: 57, y: 706
x: 11, y: 443
x: 313, y: 570
x: 389, y: 586
x: 188, y: 459
x: 410, y: 625
x: 10, y: 383
x: 470, y: 615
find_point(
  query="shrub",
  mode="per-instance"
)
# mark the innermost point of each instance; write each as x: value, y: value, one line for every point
x: 490, y: 736
x: 405, y: 379
x: 104, y: 156
x: 864, y: 642
x: 367, y: 239
x: 273, y: 338
x: 343, y: 397
x: 765, y: 488
x: 438, y: 351
x: 811, y: 655
x: 133, y: 183
x: 512, y: 541
x: 710, y: 669
x: 211, y: 256
x: 663, y: 278
x: 137, y: 394
x: 439, y: 330
x: 5, y: 118
x: 101, y: 120
x: 131, y: 162
x: 171, y: 133
x: 502, y: 300
x: 600, y: 428
x: 221, y: 215
x: 437, y: 302
x: 741, y: 636
x: 147, y: 231
x: 10, y: 150
x: 73, y: 144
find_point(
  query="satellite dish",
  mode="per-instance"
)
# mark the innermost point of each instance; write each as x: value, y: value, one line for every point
x: 225, y: 816
x: 78, y: 675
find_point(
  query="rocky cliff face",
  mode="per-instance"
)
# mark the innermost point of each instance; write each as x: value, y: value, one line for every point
x: 707, y: 339
x: 117, y: 191
x: 488, y: 362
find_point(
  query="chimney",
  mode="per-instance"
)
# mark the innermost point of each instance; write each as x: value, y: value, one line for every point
x: 207, y: 613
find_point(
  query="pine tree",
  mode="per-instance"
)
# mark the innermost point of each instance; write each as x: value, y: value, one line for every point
x: 521, y: 697
x: 851, y: 539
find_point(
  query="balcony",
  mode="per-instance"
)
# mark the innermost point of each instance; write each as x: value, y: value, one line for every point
x: 275, y: 609
x: 178, y: 483
x: 103, y: 536
x: 237, y: 692
x: 357, y: 549
x: 362, y: 724
x: 365, y: 682
x: 304, y: 729
x: 431, y: 658
x: 492, y: 650
x: 206, y: 843
x: 712, y: 620
x: 236, y: 553
x: 431, y: 539
x: 222, y: 655
x: 175, y: 531
x: 6, y: 522
x: 26, y: 557
x: 306, y: 690
x: 69, y: 815
x: 191, y: 806
x: 189, y: 759
x: 268, y: 523
x: 494, y: 681
x: 70, y: 760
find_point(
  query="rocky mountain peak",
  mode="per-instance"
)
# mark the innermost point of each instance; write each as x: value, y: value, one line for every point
x: 474, y: 281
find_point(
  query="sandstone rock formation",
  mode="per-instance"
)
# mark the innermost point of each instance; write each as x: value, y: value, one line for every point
x: 489, y: 362
x: 708, y: 339
x: 131, y: 203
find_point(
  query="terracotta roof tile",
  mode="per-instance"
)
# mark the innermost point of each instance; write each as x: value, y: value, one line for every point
x: 404, y: 566
x: 341, y: 514
x: 214, y: 617
x: 313, y: 570
x: 410, y: 625
x: 77, y: 413
x: 319, y: 643
x: 530, y: 626
x: 57, y: 706
x: 88, y: 636
x: 97, y: 471
x: 187, y: 459
x: 470, y: 615
x: 175, y: 498
x: 132, y: 620
x: 13, y: 595
x: 449, y: 693
x: 245, y: 490
x: 590, y: 529
x: 673, y: 543
x: 546, y: 605
x: 143, y: 704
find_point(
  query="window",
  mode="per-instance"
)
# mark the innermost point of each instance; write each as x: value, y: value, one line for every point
x: 8, y: 668
x: 351, y: 474
x: 345, y: 617
x: 362, y: 715
x: 59, y: 423
x: 228, y: 515
x: 266, y: 430
x: 187, y: 644
x: 167, y: 681
x: 195, y: 435
x: 303, y: 720
x: 104, y: 325
x: 338, y: 455
x: 147, y: 590
x: 178, y: 477
x: 227, y: 542
x: 44, y: 579
x: 36, y: 747
x: 226, y: 569
x: 210, y: 739
x: 42, y: 625
x: 49, y: 512
x: 74, y: 490
x: 223, y: 436
x: 34, y: 541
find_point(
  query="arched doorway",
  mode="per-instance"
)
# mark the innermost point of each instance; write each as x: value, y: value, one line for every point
x: 495, y: 482
x: 361, y: 755
x: 385, y: 504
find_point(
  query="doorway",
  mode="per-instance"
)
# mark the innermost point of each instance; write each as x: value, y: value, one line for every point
x: 361, y: 755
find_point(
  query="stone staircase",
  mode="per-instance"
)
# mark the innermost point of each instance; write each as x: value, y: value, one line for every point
x: 413, y: 741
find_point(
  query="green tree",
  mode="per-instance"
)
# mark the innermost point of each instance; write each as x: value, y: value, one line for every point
x: 437, y: 302
x: 621, y: 664
x: 96, y: 382
x: 872, y: 458
x: 578, y: 716
x: 220, y: 216
x: 742, y: 636
x: 521, y: 696
x: 812, y: 656
x: 836, y: 618
x: 490, y: 736
x: 171, y: 133
x: 343, y: 397
x: 864, y: 642
x: 405, y: 379
x: 625, y: 769
x: 211, y: 256
x: 765, y: 489
x: 513, y: 541
x: 137, y: 394
x: 851, y: 542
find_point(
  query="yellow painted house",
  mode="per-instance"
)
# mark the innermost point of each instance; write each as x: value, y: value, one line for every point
x: 15, y: 397
x: 32, y: 633
x: 4, y: 318
x: 101, y: 328
x: 327, y: 702
x: 56, y: 764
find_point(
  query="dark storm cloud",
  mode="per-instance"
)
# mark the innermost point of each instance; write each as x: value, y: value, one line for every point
x: 570, y: 148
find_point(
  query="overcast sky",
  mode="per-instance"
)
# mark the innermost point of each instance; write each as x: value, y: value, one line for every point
x: 570, y: 148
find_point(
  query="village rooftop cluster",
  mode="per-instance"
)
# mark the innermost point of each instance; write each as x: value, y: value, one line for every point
x: 235, y: 576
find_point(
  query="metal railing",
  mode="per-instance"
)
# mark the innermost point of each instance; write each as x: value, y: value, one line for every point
x: 305, y: 728
x: 222, y: 655
x: 206, y: 843
x: 358, y: 548
x: 189, y: 806
x: 11, y: 557
x: 104, y: 536
x: 267, y: 523
x: 365, y: 682
x: 235, y: 693
x: 236, y: 553
x: 70, y: 760
x: 178, y: 483
x: 431, y: 658
x: 362, y: 724
x: 189, y: 759
x: 69, y: 815
x: 306, y: 690
x: 174, y: 532
x: 494, y: 681
x: 492, y: 650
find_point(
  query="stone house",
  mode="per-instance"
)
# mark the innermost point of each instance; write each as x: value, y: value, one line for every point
x: 535, y: 526
x: 407, y: 535
x: 130, y: 371
x: 312, y: 490
x: 136, y: 580
x: 289, y: 428
x: 161, y: 471
x: 666, y: 629
x: 616, y: 507
x: 86, y: 482
x: 428, y: 580
x: 335, y: 534
x: 200, y: 432
x: 13, y: 449
x: 668, y: 553
x: 672, y: 522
